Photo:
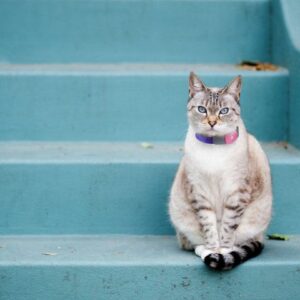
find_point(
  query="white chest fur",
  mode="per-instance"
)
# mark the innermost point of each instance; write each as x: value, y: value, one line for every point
x: 215, y: 170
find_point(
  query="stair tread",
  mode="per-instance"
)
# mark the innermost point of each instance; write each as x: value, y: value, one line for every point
x: 117, y: 152
x: 123, y: 250
x: 132, y: 69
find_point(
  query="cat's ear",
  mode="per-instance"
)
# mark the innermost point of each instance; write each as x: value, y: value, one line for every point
x: 234, y: 87
x: 196, y: 85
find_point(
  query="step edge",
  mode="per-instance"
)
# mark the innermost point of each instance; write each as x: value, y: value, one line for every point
x: 132, y: 69
x: 13, y: 153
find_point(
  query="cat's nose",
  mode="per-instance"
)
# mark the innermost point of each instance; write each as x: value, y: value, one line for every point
x: 212, y: 123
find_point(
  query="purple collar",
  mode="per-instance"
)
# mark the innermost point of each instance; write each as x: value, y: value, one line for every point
x: 229, y: 138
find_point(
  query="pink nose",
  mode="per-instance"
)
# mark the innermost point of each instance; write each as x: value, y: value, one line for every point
x: 212, y: 123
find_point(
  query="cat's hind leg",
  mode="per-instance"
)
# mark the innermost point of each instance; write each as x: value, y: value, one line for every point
x: 184, y: 242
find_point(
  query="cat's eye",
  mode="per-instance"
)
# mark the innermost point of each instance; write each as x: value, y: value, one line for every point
x: 202, y: 109
x: 224, y: 111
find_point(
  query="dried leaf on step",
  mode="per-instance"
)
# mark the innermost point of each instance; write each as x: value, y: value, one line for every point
x: 50, y: 253
x: 257, y: 66
x: 147, y: 145
x: 279, y: 237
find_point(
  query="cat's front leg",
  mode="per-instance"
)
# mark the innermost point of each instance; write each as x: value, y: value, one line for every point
x: 208, y: 225
x: 234, y: 208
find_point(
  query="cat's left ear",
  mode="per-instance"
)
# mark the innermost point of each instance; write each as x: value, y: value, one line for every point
x: 234, y: 87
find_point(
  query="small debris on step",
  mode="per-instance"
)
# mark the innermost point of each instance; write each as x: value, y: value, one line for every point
x: 278, y: 237
x: 147, y: 145
x: 257, y: 66
x: 50, y: 253
x: 283, y: 144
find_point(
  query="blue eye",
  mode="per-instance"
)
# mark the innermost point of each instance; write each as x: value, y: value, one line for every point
x: 224, y: 111
x: 202, y: 109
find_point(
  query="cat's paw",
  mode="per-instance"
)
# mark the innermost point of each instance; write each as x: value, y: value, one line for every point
x: 212, y: 257
x: 215, y: 261
x: 203, y: 252
x: 226, y: 250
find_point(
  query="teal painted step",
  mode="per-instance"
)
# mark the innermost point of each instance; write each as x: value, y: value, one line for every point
x: 127, y: 102
x: 67, y: 31
x: 144, y: 267
x: 102, y: 188
x: 286, y: 51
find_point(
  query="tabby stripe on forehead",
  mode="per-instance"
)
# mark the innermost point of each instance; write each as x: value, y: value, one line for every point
x: 207, y: 101
x: 214, y: 97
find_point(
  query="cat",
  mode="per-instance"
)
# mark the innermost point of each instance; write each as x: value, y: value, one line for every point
x: 221, y: 198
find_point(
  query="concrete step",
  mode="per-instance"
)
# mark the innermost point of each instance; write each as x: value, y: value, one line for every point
x: 286, y: 50
x: 103, y: 188
x: 138, y: 267
x: 66, y: 31
x: 127, y: 102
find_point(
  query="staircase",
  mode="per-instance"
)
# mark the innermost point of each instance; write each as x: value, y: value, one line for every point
x: 83, y: 207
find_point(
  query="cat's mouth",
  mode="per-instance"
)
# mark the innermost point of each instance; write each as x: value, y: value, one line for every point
x: 212, y: 132
x: 213, y: 129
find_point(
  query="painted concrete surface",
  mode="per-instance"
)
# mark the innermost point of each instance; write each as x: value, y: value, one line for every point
x: 112, y: 187
x: 144, y: 267
x: 286, y: 51
x: 134, y: 31
x: 128, y: 102
x: 88, y: 72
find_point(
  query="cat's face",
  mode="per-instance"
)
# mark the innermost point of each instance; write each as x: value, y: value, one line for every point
x: 214, y: 111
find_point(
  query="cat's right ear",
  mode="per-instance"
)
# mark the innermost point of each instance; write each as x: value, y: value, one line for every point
x: 196, y: 85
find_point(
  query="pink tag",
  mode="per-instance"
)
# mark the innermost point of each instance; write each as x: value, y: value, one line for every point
x: 231, y: 137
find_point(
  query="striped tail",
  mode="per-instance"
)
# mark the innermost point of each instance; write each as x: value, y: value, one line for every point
x: 232, y: 259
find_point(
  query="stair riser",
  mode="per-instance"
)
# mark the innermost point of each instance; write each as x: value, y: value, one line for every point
x: 111, y: 198
x: 148, y: 282
x: 128, y: 107
x: 123, y: 31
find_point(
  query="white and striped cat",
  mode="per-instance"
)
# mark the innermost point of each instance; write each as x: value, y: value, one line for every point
x: 221, y: 198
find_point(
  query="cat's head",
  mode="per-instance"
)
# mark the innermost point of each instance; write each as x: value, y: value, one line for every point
x: 214, y: 111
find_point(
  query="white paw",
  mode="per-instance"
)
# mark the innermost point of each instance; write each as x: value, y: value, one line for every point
x: 203, y: 252
x: 225, y: 250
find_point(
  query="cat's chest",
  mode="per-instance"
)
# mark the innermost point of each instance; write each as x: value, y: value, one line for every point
x: 214, y: 172
x: 215, y: 160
